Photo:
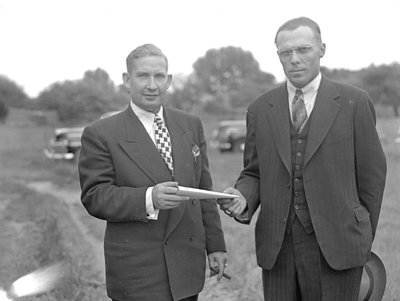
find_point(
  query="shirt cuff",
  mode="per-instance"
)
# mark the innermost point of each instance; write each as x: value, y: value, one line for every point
x: 152, y: 213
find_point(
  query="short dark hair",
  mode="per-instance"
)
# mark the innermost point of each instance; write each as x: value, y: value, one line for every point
x: 143, y: 51
x: 298, y: 22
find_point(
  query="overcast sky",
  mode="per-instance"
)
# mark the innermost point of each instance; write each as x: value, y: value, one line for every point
x: 44, y: 41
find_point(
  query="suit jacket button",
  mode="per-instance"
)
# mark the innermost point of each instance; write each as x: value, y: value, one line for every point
x: 166, y: 242
x: 191, y: 237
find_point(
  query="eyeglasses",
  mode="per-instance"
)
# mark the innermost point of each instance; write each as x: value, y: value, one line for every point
x: 300, y: 51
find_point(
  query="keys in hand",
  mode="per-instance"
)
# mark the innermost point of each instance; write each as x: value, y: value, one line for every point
x: 215, y: 270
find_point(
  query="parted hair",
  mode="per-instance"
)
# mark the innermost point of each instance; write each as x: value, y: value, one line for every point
x: 298, y: 22
x: 143, y: 51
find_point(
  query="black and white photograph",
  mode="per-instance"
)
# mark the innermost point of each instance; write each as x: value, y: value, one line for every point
x: 199, y: 150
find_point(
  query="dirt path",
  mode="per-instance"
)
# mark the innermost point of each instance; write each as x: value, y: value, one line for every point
x: 90, y: 235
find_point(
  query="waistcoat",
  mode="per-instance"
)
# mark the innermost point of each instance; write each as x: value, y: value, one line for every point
x: 299, y: 205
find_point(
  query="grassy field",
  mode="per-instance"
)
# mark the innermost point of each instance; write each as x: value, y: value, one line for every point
x: 37, y: 228
x: 387, y: 241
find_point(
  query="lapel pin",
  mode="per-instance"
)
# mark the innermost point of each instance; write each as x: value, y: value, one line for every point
x: 195, y: 152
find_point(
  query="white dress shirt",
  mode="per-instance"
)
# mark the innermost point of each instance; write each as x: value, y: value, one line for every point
x: 147, y: 119
x: 309, y: 93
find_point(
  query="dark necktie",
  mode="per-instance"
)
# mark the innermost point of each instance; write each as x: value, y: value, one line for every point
x: 299, y: 113
x: 163, y: 142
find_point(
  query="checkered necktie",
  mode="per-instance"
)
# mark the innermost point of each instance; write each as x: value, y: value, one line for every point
x: 163, y: 142
x: 299, y: 113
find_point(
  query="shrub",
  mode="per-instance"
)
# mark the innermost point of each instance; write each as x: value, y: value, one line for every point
x: 3, y: 111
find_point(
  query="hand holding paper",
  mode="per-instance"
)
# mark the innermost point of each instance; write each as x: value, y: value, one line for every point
x: 232, y: 206
x: 165, y: 196
x: 169, y: 195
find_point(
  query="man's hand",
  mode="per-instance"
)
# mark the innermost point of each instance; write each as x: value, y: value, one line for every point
x: 234, y: 206
x: 165, y: 197
x: 217, y: 264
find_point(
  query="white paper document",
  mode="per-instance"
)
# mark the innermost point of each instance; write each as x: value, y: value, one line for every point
x: 203, y: 194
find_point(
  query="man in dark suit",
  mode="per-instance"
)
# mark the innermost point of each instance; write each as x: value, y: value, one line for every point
x: 130, y: 165
x: 314, y: 165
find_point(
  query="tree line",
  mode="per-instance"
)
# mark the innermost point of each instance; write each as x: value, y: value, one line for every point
x: 223, y: 81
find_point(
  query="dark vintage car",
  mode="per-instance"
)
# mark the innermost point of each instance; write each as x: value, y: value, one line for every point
x: 229, y: 136
x: 397, y: 139
x: 66, y: 142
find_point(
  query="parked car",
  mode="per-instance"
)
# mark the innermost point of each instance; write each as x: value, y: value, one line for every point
x: 229, y: 136
x: 66, y: 142
x: 108, y: 114
x: 397, y: 139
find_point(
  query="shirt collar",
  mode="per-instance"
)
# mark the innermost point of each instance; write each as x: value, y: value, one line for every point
x: 310, y: 88
x: 146, y: 116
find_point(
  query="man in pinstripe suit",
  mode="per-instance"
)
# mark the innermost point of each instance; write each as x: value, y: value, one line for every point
x: 314, y: 165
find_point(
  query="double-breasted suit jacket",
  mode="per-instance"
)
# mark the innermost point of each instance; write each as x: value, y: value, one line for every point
x: 343, y: 173
x: 145, y: 259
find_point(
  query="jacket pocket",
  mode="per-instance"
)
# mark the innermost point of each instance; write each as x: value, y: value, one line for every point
x: 364, y: 227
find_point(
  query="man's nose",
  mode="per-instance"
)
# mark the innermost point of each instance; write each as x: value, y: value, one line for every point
x: 294, y: 57
x: 151, y: 84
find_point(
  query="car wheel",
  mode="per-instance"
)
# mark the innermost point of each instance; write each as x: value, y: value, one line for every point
x: 238, y: 146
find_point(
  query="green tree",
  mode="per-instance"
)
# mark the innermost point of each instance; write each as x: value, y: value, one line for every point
x: 184, y: 93
x: 343, y: 75
x: 223, y: 79
x: 3, y: 112
x: 85, y: 99
x: 11, y: 94
x: 381, y: 82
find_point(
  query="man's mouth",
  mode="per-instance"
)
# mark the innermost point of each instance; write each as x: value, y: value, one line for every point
x: 150, y: 95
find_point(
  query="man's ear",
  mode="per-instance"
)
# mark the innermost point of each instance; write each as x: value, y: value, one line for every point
x: 323, y: 48
x: 125, y: 78
x: 169, y: 80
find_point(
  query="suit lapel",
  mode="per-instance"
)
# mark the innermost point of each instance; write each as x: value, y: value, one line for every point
x: 278, y: 117
x: 182, y: 141
x: 141, y: 149
x: 322, y: 117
